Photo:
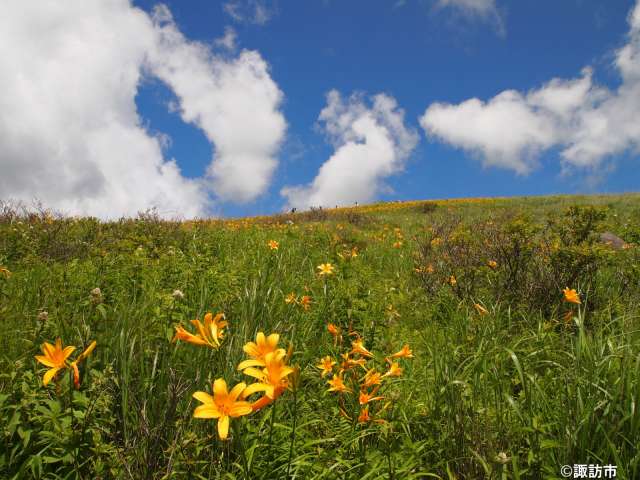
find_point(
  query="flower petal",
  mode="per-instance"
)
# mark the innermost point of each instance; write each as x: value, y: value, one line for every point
x: 220, y: 388
x: 253, y: 388
x: 223, y: 427
x: 236, y: 391
x: 239, y: 409
x: 206, y: 411
x: 250, y: 363
x: 45, y: 361
x: 49, y: 375
x: 203, y: 397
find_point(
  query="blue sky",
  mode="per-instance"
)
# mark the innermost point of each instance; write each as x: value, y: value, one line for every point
x: 426, y: 59
x: 419, y: 54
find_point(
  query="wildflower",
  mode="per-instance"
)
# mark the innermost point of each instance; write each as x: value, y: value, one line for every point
x: 571, y: 296
x: 208, y: 334
x: 333, y: 330
x: 305, y: 302
x: 397, y: 244
x: 272, y: 379
x: 365, y: 397
x: 273, y: 245
x: 43, y: 316
x: 259, y: 349
x: 326, y: 365
x: 436, y: 242
x: 492, y: 264
x: 567, y: 316
x: 405, y: 352
x: 357, y: 347
x: 222, y: 405
x: 291, y: 298
x: 481, y: 310
x: 96, y: 296
x: 177, y: 295
x: 394, y: 370
x: 337, y: 385
x: 326, y: 269
x: 452, y: 281
x: 55, y: 357
x: 74, y: 365
x: 5, y: 272
x: 371, y: 378
x: 364, y: 415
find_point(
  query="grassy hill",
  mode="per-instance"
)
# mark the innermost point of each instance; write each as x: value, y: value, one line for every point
x: 505, y: 375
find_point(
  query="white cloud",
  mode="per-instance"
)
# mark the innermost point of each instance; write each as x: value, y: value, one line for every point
x: 371, y: 143
x: 586, y: 121
x: 235, y: 102
x: 228, y: 40
x: 70, y: 132
x: 476, y: 9
x: 258, y: 12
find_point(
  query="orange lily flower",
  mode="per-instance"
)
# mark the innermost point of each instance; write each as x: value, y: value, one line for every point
x: 364, y: 415
x: 365, y: 397
x: 337, y: 384
x: 273, y: 245
x: 571, y: 296
x: 481, y: 310
x: 394, y: 370
x: 357, y: 347
x: 372, y: 378
x: 208, y: 334
x: 55, y: 357
x: 272, y: 379
x: 259, y: 350
x: 405, y: 352
x: 326, y: 365
x: 222, y: 405
x: 326, y: 269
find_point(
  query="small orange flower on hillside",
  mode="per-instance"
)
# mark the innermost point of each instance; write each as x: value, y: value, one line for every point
x: 222, y: 405
x: 481, y: 310
x: 364, y: 415
x: 405, y: 352
x: 435, y: 242
x: 305, y: 302
x: 365, y: 397
x: 5, y: 272
x: 326, y: 365
x: 358, y: 347
x: 397, y: 244
x: 273, y: 245
x: 394, y: 370
x: 333, y: 330
x: 492, y: 264
x: 291, y: 298
x: 55, y: 357
x: 326, y: 269
x: 208, y: 335
x: 452, y: 281
x: 372, y: 378
x: 337, y: 385
x: 571, y: 296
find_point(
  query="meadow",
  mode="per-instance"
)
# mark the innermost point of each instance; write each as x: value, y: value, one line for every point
x: 453, y: 339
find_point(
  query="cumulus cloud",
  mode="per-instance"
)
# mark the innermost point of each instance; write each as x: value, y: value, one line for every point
x: 588, y: 122
x: 235, y: 102
x: 371, y: 143
x: 70, y: 132
x: 258, y: 12
x: 228, y: 40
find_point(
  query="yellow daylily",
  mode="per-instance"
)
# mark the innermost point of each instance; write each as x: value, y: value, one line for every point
x: 394, y: 370
x: 208, y: 334
x: 405, y: 352
x: 480, y: 309
x: 259, y: 349
x: 291, y: 298
x: 222, y: 405
x: 337, y: 384
x: 365, y: 397
x: 5, y: 272
x: 55, y: 357
x: 326, y: 269
x: 326, y: 365
x: 273, y: 245
x: 571, y: 296
x: 372, y: 378
x: 272, y: 379
x: 358, y: 347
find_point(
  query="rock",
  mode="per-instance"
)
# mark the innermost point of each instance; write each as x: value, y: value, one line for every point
x: 612, y: 240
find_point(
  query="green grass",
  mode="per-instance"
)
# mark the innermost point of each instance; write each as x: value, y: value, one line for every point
x: 516, y: 393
